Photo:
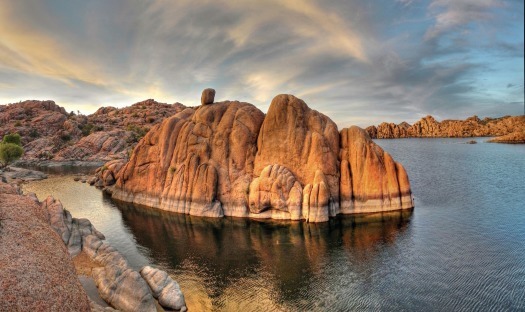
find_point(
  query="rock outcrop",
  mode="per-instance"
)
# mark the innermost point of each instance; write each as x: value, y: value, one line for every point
x: 228, y: 159
x: 50, y: 133
x: 428, y: 127
x: 14, y: 174
x: 198, y: 162
x: 36, y: 271
x: 517, y: 137
x: 370, y: 179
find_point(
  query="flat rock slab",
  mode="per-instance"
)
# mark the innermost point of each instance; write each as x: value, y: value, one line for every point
x: 14, y: 173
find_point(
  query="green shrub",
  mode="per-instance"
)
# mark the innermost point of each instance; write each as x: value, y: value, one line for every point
x: 12, y: 138
x: 138, y: 132
x: 86, y: 129
x: 9, y: 152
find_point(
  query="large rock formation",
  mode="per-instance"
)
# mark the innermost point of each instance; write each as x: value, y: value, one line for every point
x: 228, y: 159
x: 429, y: 127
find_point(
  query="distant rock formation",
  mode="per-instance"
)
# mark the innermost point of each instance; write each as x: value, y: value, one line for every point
x: 228, y: 159
x: 50, y: 133
x: 517, y: 137
x: 428, y: 127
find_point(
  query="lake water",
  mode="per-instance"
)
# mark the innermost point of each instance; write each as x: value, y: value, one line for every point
x: 462, y: 247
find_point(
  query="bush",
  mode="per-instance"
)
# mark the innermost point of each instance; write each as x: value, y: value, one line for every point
x: 12, y: 138
x: 86, y: 129
x: 18, y: 123
x: 65, y: 137
x: 138, y: 132
x: 9, y: 152
x: 34, y: 133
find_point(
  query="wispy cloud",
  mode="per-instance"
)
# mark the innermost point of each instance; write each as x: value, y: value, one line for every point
x: 452, y: 15
x: 358, y: 61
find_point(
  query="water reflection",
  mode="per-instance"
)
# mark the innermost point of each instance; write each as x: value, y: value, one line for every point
x: 284, y: 258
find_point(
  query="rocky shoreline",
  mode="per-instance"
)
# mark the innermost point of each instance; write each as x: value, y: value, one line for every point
x: 428, y: 127
x: 517, y: 137
x: 44, y: 246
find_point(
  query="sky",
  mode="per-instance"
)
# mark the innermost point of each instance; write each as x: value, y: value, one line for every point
x: 358, y: 62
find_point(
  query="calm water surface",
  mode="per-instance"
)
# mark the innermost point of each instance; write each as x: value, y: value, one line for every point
x: 462, y: 248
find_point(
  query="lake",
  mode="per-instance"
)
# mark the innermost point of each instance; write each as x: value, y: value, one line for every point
x: 461, y: 248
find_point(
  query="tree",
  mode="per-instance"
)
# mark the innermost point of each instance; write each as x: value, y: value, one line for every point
x: 12, y: 138
x: 9, y: 152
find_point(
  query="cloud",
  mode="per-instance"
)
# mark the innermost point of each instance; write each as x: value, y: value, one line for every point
x: 450, y: 15
x: 360, y: 62
x: 405, y: 2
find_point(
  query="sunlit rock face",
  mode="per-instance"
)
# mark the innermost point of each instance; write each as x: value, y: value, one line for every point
x: 429, y: 127
x: 229, y: 159
x: 370, y: 179
x: 198, y: 162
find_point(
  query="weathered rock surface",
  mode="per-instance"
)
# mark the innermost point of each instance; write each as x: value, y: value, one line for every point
x: 106, y: 176
x: 429, y: 127
x: 124, y: 288
x: 228, y: 159
x: 208, y: 96
x: 517, y: 137
x: 36, y: 271
x: 49, y: 133
x: 276, y: 191
x: 307, y: 143
x: 164, y: 288
x: 370, y: 179
x: 198, y: 162
x: 99, y: 145
x: 117, y: 283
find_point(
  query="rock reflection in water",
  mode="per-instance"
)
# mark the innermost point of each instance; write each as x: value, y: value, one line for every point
x: 234, y: 263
